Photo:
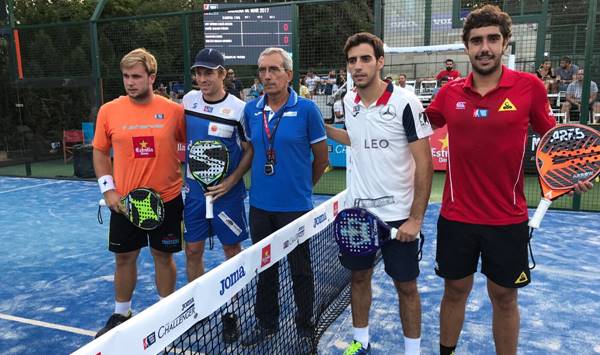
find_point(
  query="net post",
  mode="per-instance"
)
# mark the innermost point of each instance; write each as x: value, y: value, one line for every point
x: 296, y: 47
x: 587, y: 73
x: 185, y: 29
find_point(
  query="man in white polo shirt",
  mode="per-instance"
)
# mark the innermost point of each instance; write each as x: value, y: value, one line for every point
x: 391, y: 171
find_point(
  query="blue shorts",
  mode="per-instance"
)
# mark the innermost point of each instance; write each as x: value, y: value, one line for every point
x: 229, y: 223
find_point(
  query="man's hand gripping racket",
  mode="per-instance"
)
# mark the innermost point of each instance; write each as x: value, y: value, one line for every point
x: 208, y: 162
x: 360, y: 232
x: 143, y: 207
x: 567, y: 155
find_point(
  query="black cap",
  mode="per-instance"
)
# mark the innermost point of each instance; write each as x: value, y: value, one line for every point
x: 209, y: 58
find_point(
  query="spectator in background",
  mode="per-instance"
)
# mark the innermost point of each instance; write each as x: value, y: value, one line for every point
x: 312, y: 82
x: 565, y: 73
x: 450, y: 72
x: 174, y: 97
x: 256, y: 90
x: 547, y: 75
x: 402, y: 83
x: 234, y: 85
x: 574, y: 91
x: 443, y: 81
x: 162, y: 91
x: 330, y: 83
x: 304, y: 91
x: 341, y: 78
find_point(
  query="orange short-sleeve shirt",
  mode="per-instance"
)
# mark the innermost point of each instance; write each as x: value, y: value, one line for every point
x: 144, y: 140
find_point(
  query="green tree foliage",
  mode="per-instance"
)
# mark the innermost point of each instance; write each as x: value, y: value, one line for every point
x: 325, y: 28
x: 56, y: 51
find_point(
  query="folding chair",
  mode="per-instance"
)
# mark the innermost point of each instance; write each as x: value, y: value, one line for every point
x: 70, y: 139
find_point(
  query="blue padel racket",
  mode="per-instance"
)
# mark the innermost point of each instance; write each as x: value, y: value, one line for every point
x: 360, y: 232
x: 145, y: 209
x: 208, y: 162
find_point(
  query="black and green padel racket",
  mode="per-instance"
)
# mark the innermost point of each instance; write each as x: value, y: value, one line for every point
x: 145, y: 208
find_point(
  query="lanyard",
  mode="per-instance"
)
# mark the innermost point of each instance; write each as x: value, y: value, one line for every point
x: 270, y: 152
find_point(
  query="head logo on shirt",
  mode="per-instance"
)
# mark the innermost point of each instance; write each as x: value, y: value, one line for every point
x: 507, y: 106
x: 143, y: 147
x: 226, y: 111
x: 388, y: 112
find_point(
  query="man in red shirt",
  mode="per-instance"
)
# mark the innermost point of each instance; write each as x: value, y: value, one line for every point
x: 449, y: 73
x: 484, y: 211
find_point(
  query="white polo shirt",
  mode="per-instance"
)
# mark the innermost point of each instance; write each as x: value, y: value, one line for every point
x: 382, y: 167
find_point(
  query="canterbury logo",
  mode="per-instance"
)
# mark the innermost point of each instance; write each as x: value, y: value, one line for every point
x: 522, y: 278
x: 507, y: 106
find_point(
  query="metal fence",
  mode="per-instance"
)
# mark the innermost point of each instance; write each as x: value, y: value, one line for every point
x: 55, y: 76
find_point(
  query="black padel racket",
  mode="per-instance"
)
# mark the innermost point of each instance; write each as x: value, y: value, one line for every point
x: 360, y: 232
x: 145, y: 208
x: 208, y: 162
x: 567, y: 154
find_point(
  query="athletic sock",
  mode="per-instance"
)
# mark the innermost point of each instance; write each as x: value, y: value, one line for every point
x: 412, y: 346
x: 122, y: 307
x: 362, y: 335
x: 447, y: 350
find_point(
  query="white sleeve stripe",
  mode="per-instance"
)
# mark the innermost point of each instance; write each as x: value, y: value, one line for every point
x: 318, y: 139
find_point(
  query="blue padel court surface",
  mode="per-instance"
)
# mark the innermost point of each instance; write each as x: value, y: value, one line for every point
x: 56, y: 281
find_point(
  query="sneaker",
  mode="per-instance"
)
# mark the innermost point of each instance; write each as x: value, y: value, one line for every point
x: 231, y: 328
x: 356, y: 348
x: 258, y: 335
x: 112, y: 322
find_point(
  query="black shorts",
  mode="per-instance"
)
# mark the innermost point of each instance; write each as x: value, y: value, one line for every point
x: 401, y: 259
x: 503, y: 250
x: 124, y: 237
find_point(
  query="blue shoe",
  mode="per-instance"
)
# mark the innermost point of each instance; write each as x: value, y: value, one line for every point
x: 356, y: 348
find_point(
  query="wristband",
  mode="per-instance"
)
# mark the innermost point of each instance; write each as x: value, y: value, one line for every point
x: 106, y: 183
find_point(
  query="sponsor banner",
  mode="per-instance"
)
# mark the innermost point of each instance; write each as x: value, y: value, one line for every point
x: 337, y: 151
x: 439, y: 148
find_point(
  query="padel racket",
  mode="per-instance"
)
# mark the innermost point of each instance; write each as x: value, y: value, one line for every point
x: 145, y: 208
x: 567, y: 154
x: 208, y: 162
x: 360, y: 232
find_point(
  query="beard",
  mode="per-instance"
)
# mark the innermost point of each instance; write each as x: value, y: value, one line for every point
x: 486, y: 71
x: 141, y: 95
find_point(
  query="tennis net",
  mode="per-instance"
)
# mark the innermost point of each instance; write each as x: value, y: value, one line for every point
x: 192, y: 319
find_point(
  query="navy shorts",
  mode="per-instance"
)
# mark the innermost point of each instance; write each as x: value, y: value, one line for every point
x: 229, y: 222
x: 401, y: 259
x: 503, y: 250
x: 124, y: 237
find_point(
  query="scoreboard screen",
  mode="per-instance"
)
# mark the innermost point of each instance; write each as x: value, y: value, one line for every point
x: 241, y: 35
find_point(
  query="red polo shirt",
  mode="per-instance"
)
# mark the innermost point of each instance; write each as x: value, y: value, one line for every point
x: 487, y: 137
x: 451, y: 75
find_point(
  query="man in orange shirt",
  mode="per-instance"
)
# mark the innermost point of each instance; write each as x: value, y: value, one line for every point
x: 143, y: 130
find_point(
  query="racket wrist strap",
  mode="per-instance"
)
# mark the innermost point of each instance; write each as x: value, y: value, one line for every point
x: 106, y: 183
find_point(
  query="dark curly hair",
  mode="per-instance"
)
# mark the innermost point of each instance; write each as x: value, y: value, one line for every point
x: 488, y: 15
